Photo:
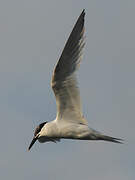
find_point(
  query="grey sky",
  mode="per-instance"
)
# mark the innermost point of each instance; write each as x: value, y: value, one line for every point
x: 32, y: 36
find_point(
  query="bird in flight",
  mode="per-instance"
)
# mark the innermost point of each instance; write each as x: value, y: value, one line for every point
x: 70, y: 122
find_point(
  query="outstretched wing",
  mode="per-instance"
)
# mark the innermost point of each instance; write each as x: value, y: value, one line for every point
x: 64, y: 82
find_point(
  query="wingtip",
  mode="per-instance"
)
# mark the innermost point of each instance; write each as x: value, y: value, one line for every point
x: 81, y: 17
x: 83, y: 12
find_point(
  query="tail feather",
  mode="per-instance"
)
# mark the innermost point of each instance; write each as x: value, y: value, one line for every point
x: 109, y: 138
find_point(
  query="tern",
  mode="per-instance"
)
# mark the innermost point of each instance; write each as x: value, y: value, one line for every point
x: 70, y: 122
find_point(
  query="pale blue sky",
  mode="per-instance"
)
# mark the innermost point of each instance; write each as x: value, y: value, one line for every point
x: 32, y: 36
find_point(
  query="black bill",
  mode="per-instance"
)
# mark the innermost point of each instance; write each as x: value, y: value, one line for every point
x: 32, y: 142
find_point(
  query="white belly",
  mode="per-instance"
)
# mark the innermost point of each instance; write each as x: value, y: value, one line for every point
x: 67, y: 130
x: 74, y: 131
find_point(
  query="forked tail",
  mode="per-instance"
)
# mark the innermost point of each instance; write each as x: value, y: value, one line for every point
x: 109, y: 138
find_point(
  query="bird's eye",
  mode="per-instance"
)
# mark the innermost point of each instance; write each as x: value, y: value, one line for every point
x: 38, y: 128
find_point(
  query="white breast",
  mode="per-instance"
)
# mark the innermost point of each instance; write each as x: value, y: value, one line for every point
x: 50, y: 129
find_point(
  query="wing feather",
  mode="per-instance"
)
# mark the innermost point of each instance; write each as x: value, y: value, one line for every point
x: 64, y: 83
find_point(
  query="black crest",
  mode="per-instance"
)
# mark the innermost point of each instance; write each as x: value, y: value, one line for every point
x: 38, y: 128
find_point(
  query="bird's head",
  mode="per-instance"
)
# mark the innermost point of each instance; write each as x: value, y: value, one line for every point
x: 36, y: 134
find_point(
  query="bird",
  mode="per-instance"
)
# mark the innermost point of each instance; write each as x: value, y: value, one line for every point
x: 70, y: 122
